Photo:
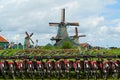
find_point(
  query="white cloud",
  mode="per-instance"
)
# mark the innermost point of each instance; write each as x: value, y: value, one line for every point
x: 69, y: 6
x: 18, y: 16
x: 103, y: 30
x: 97, y: 20
x: 106, y: 2
x: 16, y: 37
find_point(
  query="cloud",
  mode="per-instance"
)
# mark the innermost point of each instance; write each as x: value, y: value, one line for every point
x: 18, y: 16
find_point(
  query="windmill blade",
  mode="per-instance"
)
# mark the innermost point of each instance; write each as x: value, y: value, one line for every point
x: 63, y: 15
x: 82, y: 36
x: 53, y: 24
x: 27, y: 34
x: 73, y: 24
x: 31, y: 34
x: 76, y: 31
x: 31, y: 40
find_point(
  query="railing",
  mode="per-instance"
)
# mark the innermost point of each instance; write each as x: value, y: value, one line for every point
x: 58, y: 57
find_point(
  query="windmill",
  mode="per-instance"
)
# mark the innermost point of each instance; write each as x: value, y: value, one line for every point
x: 36, y: 43
x: 76, y: 36
x: 62, y: 28
x: 27, y: 40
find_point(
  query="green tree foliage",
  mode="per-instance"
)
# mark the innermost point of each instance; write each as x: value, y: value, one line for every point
x: 66, y: 45
x: 49, y: 46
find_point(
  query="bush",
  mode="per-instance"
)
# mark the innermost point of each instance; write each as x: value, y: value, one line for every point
x: 66, y: 45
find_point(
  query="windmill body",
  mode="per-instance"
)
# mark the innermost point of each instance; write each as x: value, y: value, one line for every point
x: 62, y: 32
x: 27, y: 40
x: 27, y: 43
x: 76, y: 36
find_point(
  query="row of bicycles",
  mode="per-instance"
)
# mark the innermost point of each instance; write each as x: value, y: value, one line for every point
x: 85, y: 68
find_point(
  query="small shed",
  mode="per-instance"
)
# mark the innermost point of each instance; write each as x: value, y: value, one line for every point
x: 86, y: 46
x: 3, y: 42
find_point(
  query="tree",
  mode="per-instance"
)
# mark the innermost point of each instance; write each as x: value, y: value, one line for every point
x: 66, y: 45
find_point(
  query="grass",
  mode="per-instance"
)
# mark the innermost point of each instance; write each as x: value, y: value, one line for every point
x: 57, y: 52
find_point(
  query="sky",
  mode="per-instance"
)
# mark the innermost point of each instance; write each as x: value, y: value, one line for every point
x: 99, y: 20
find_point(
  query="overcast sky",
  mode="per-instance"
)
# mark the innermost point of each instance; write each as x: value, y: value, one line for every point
x: 99, y: 20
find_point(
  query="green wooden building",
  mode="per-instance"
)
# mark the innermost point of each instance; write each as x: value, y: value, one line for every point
x: 3, y: 42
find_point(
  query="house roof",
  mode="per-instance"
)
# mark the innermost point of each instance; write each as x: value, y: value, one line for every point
x: 2, y: 39
x: 84, y: 44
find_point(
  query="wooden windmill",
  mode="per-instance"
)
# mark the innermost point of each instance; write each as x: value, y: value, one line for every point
x: 76, y: 36
x: 27, y: 40
x: 62, y: 28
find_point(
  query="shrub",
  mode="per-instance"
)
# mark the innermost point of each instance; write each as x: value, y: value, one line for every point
x: 66, y: 45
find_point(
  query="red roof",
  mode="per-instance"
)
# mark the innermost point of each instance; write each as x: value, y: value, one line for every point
x: 84, y: 44
x: 2, y: 39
